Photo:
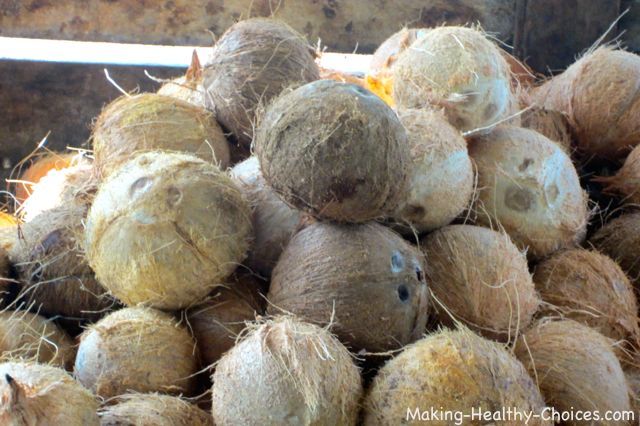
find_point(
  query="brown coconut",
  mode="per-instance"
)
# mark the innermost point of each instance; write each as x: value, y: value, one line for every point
x: 36, y: 394
x: 335, y: 150
x: 620, y: 240
x: 552, y: 124
x: 388, y: 52
x: 441, y: 176
x: 274, y: 222
x: 152, y: 410
x: 349, y: 276
x: 598, y: 94
x: 626, y: 181
x: 149, y: 122
x: 458, y: 69
x: 217, y: 322
x: 40, y: 166
x: 165, y: 229
x: 575, y: 368
x: 590, y: 288
x: 139, y: 350
x: 633, y: 380
x: 455, y: 371
x: 189, y: 87
x: 286, y: 372
x: 529, y: 186
x: 478, y: 276
x: 31, y: 337
x: 250, y: 65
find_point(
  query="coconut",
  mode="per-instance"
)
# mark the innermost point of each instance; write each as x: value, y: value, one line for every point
x: 189, y: 87
x: 458, y: 69
x: 335, y: 150
x: 155, y: 122
x: 286, y: 372
x: 478, y: 276
x: 528, y: 186
x: 36, y: 394
x: 626, y: 181
x: 620, y: 240
x: 31, y: 337
x: 343, y: 77
x: 455, y: 372
x: 39, y: 168
x: 7, y: 220
x: 217, y: 323
x: 590, y: 288
x: 250, y: 65
x: 165, y: 229
x: 598, y: 94
x: 349, y: 276
x: 441, y: 176
x: 152, y: 410
x: 388, y: 52
x: 574, y: 366
x: 633, y: 379
x: 552, y: 124
x: 136, y: 349
x: 274, y: 222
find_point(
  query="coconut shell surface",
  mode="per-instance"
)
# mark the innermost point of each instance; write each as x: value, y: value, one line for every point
x: 620, y: 240
x: 454, y: 371
x: 364, y: 280
x: 286, y: 372
x: 529, y: 186
x: 249, y: 66
x: 626, y: 182
x: 481, y: 278
x: 153, y: 410
x: 590, y: 288
x: 274, y: 221
x: 149, y: 122
x: 165, y: 229
x: 36, y: 394
x: 552, y: 124
x: 441, y: 176
x: 334, y: 150
x: 31, y: 337
x: 458, y: 69
x: 139, y: 350
x: 598, y: 94
x: 575, y: 368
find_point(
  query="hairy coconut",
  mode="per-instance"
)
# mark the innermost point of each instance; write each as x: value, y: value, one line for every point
x: 343, y: 77
x: 37, y: 394
x: 633, y: 379
x: 152, y: 410
x: 620, y: 240
x: 574, y: 366
x: 388, y: 52
x: 274, y: 222
x: 458, y: 69
x: 454, y: 371
x: 7, y: 220
x: 136, y: 349
x: 598, y: 94
x: 217, y: 323
x: 335, y: 150
x: 250, y: 65
x: 349, y: 276
x: 165, y: 229
x: 189, y: 87
x: 529, y: 186
x: 590, y: 288
x: 149, y: 122
x: 626, y: 181
x: 441, y: 176
x: 31, y: 337
x: 286, y: 372
x: 552, y: 124
x: 39, y: 168
x: 479, y: 277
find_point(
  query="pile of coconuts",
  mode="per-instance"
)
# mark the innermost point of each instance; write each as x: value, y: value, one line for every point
x: 263, y: 241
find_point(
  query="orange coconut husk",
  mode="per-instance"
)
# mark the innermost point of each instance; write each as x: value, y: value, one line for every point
x: 39, y: 168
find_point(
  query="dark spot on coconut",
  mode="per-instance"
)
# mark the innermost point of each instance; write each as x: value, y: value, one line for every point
x: 397, y: 262
x: 349, y: 27
x: 403, y: 293
x: 329, y: 12
x: 174, y: 196
x: 525, y: 164
x: 414, y: 212
x: 8, y: 378
x: 489, y: 111
x: 38, y: 4
x: 140, y: 185
x: 340, y: 191
x: 419, y: 274
x: 519, y: 199
x: 551, y: 191
x: 47, y: 245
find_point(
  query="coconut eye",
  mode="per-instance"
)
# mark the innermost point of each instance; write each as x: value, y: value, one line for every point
x: 403, y: 293
x: 397, y: 262
x: 419, y: 274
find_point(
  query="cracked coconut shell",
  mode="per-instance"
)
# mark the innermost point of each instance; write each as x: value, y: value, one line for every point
x: 334, y: 150
x: 481, y: 279
x: 139, y: 350
x: 529, y: 186
x: 249, y: 66
x: 150, y: 122
x: 135, y: 409
x: 36, y: 394
x: 364, y: 280
x: 451, y: 371
x: 165, y: 229
x: 286, y: 372
x: 620, y: 240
